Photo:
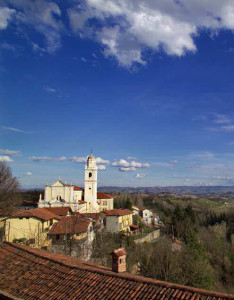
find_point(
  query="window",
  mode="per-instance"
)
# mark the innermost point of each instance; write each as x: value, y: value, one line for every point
x: 27, y: 217
x: 57, y: 236
x: 90, y: 174
x: 21, y: 218
x: 104, y: 202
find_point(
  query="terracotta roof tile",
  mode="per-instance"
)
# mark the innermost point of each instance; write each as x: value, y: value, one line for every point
x: 29, y: 273
x: 104, y: 196
x: 70, y: 225
x: 117, y: 212
x: 39, y: 213
x: 60, y: 211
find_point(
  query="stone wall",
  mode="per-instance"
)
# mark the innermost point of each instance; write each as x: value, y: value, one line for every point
x: 149, y: 237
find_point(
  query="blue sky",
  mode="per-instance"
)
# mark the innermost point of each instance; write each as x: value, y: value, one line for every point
x: 147, y: 85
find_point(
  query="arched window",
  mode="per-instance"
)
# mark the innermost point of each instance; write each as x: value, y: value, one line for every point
x: 58, y: 198
x: 90, y: 174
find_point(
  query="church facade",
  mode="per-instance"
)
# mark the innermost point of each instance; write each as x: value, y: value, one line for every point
x: 86, y: 200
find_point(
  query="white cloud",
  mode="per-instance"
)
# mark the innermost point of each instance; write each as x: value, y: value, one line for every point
x: 158, y: 25
x: 5, y: 158
x: 140, y: 175
x: 78, y: 159
x: 127, y: 169
x: 12, y: 129
x: 6, y: 15
x: 43, y: 16
x: 99, y: 160
x: 9, y: 152
x: 27, y: 174
x: 101, y: 167
x: 125, y: 166
x: 47, y: 158
x: 50, y: 89
x: 221, y: 119
x: 83, y: 160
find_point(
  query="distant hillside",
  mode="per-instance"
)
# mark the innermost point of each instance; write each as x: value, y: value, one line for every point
x: 227, y: 191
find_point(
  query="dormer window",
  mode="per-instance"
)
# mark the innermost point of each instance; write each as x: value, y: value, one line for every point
x: 90, y: 174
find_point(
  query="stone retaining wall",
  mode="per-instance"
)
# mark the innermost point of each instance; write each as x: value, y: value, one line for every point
x: 149, y: 237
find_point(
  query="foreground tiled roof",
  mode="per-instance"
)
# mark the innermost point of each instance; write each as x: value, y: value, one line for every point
x: 39, y: 213
x: 60, y: 211
x: 117, y: 212
x: 30, y: 274
x: 104, y: 196
x: 71, y: 224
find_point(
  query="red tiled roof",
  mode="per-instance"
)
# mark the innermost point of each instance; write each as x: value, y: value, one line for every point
x: 95, y: 216
x: 76, y: 188
x: 134, y: 226
x: 82, y: 202
x: 104, y: 196
x: 60, y: 211
x: 117, y: 212
x: 39, y: 213
x: 29, y: 273
x: 70, y: 225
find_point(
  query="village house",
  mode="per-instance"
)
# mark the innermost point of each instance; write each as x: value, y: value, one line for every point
x: 135, y: 210
x: 30, y: 226
x: 72, y: 235
x: 147, y: 216
x: 86, y: 200
x: 118, y: 220
x: 72, y: 227
x: 27, y: 273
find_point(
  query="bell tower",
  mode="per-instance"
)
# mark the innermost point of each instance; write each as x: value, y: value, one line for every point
x: 91, y: 184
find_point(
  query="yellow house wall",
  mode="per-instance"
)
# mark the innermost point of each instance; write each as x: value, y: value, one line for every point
x: 27, y: 228
x: 116, y: 224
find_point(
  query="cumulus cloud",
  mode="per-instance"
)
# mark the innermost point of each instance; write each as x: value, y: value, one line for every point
x: 102, y: 161
x: 83, y: 160
x: 47, y: 158
x: 42, y: 15
x: 126, y: 28
x: 9, y: 152
x: 101, y: 167
x: 6, y: 15
x: 5, y: 158
x: 140, y: 175
x: 126, y: 166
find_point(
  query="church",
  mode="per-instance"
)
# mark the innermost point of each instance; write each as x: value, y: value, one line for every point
x: 87, y: 200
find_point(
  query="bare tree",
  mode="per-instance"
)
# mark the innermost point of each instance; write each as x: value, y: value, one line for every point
x: 9, y: 190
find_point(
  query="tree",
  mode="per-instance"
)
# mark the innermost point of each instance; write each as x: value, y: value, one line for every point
x: 128, y: 204
x: 9, y: 190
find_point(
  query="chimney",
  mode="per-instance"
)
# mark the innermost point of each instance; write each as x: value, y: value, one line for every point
x: 119, y: 260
